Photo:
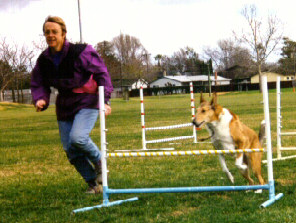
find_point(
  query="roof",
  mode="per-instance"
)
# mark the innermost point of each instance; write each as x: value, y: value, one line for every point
x: 195, y: 78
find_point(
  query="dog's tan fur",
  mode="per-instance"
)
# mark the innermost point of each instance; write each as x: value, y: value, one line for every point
x: 210, y: 114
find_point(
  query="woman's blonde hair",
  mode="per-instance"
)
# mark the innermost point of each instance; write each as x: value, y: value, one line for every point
x: 57, y: 20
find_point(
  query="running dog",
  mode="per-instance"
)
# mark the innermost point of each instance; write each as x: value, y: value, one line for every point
x: 227, y: 132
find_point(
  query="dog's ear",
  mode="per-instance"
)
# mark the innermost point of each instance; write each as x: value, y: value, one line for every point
x: 202, y: 98
x: 214, y: 100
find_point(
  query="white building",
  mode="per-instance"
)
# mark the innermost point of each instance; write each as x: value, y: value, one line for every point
x: 184, y: 81
x: 138, y: 83
x: 271, y: 77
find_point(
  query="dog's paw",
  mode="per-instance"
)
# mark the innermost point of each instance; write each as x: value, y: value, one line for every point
x: 259, y: 191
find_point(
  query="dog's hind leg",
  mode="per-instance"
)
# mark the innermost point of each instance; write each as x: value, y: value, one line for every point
x: 243, y: 168
x: 225, y: 169
x: 256, y: 166
x: 255, y: 161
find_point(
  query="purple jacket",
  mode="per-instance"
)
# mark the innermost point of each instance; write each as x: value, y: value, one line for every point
x: 68, y: 103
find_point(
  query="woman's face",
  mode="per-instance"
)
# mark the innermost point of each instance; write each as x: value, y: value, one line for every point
x: 54, y: 36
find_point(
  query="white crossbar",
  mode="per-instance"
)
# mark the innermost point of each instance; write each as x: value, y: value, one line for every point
x: 169, y: 139
x: 288, y: 148
x: 282, y: 158
x: 171, y: 126
x: 287, y: 133
x: 183, y: 153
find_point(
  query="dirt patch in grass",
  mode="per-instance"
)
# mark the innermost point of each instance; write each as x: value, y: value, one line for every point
x: 8, y: 105
x: 184, y: 211
x: 286, y: 182
x: 33, y: 169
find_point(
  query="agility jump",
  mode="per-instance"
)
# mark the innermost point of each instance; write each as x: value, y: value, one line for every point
x: 279, y: 132
x: 144, y: 129
x: 184, y: 153
x: 108, y: 191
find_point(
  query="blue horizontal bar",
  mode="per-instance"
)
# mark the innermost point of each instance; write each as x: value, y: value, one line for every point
x: 186, y: 189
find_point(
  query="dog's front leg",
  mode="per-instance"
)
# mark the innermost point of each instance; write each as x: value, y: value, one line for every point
x: 225, y: 169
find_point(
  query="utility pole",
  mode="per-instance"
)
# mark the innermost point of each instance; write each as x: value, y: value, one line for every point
x: 294, y: 61
x: 209, y: 80
x: 209, y: 76
x: 294, y: 81
x: 146, y: 55
x: 121, y: 75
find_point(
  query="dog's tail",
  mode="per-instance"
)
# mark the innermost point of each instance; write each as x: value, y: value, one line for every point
x: 262, y: 134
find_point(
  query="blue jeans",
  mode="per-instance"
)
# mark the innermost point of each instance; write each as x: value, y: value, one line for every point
x: 80, y: 149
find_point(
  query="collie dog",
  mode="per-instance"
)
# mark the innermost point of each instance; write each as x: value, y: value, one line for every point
x: 227, y: 132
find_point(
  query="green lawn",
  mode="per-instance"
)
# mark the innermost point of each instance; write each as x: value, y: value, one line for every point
x: 37, y: 183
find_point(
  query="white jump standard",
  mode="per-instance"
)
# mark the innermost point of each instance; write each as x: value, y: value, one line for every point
x: 144, y: 129
x: 279, y: 132
x: 279, y: 126
x: 108, y: 191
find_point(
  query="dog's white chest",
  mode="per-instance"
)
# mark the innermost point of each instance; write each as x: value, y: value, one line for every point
x: 220, y: 131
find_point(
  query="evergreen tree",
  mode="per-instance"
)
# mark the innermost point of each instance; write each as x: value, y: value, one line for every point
x: 288, y: 60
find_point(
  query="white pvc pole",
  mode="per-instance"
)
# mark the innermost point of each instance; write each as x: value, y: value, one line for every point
x: 80, y: 26
x: 143, y: 118
x: 267, y: 128
x: 272, y: 196
x: 103, y: 141
x: 278, y: 116
x: 193, y: 111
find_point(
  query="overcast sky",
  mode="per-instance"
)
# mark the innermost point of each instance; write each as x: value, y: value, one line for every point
x: 162, y: 26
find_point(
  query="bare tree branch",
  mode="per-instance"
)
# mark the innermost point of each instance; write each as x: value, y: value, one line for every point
x: 15, y: 63
x: 260, y: 41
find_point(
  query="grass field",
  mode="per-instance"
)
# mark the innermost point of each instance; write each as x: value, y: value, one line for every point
x: 37, y: 183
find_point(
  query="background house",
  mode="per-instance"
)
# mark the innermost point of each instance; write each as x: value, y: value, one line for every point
x: 120, y: 86
x: 184, y: 81
x: 138, y: 83
x: 238, y: 74
x: 271, y: 77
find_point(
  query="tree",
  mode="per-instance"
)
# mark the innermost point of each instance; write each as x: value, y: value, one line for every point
x: 105, y: 49
x: 167, y: 65
x: 186, y: 60
x: 288, y: 60
x: 5, y: 76
x: 40, y: 45
x: 158, y: 58
x: 229, y: 54
x: 131, y: 54
x: 192, y: 62
x: 15, y: 62
x: 261, y: 40
x: 129, y: 51
x: 158, y: 68
x: 179, y: 60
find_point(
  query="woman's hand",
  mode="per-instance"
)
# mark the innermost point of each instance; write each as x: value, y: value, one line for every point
x: 40, y: 105
x: 107, y: 109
